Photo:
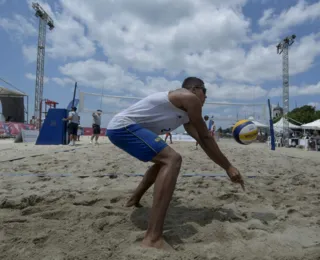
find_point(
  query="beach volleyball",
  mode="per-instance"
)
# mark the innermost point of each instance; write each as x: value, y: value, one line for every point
x: 245, y: 132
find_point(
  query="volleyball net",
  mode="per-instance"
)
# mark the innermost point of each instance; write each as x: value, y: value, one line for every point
x: 224, y: 114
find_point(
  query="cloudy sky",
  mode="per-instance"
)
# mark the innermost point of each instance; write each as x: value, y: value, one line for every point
x: 134, y: 48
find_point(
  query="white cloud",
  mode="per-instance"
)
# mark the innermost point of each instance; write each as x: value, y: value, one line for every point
x: 267, y: 15
x: 200, y: 39
x: 138, y: 36
x: 308, y: 90
x: 60, y: 81
x: 280, y: 24
x: 232, y: 91
x: 68, y: 38
x: 113, y: 78
x: 29, y: 53
x: 33, y: 77
x: 19, y: 25
x: 207, y: 38
x: 63, y: 81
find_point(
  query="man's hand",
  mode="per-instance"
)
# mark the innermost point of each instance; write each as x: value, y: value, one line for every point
x: 235, y: 176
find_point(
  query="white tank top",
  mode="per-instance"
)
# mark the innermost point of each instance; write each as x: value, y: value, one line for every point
x: 155, y: 112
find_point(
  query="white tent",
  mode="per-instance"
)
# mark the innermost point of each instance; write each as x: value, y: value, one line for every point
x: 258, y: 124
x: 313, y: 125
x: 279, y: 125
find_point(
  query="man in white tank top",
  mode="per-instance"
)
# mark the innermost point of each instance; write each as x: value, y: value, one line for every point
x: 135, y: 130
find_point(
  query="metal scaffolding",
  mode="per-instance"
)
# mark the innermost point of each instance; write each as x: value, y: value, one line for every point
x: 44, y: 20
x: 283, y: 48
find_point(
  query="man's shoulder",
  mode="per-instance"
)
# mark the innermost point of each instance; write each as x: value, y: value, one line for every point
x: 182, y: 97
x: 181, y: 94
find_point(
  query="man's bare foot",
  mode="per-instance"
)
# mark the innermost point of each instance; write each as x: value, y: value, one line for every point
x: 133, y: 202
x: 160, y: 244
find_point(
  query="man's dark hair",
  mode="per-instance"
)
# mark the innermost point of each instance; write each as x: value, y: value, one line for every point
x: 74, y: 109
x: 99, y: 110
x: 191, y: 82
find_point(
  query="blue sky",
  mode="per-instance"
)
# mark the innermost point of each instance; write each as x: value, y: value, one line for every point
x: 134, y: 48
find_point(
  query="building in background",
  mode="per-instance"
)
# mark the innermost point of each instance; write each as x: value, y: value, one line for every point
x: 277, y: 111
x: 13, y: 108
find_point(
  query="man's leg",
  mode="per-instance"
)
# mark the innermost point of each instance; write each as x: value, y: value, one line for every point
x: 93, y: 134
x: 148, y: 180
x: 71, y: 134
x: 96, y: 132
x: 92, y: 137
x: 74, y: 138
x: 170, y: 163
x: 146, y: 146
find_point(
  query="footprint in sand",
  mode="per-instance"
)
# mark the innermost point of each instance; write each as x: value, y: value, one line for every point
x: 54, y: 214
x: 31, y: 210
x: 110, y: 213
x: 85, y: 201
x: 23, y: 203
x: 39, y: 241
x: 115, y: 199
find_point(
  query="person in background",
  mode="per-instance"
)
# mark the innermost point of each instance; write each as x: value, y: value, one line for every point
x: 79, y: 132
x: 73, y: 119
x: 96, y: 123
x: 213, y: 130
x: 170, y: 136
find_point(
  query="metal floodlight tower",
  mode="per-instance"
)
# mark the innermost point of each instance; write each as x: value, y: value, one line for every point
x: 283, y: 47
x: 44, y: 20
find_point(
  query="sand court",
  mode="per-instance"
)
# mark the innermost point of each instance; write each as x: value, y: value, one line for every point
x: 52, y: 209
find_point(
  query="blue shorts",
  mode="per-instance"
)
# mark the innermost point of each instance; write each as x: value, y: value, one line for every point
x: 139, y: 142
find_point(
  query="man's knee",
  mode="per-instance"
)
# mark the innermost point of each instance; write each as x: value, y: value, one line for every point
x: 176, y: 159
x: 170, y: 157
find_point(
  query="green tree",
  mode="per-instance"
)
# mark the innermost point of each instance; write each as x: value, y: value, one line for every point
x: 304, y: 115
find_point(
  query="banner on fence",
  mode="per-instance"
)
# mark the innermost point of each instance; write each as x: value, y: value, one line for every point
x: 12, y: 129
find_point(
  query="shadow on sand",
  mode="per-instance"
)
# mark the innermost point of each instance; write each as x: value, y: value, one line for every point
x: 179, y: 219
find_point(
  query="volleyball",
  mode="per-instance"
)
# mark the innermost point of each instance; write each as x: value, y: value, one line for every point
x: 245, y: 132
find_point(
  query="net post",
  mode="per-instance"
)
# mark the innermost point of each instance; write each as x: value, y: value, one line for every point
x: 273, y: 145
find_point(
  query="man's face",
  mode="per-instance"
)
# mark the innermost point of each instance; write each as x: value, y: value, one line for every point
x: 206, y: 118
x: 200, y: 92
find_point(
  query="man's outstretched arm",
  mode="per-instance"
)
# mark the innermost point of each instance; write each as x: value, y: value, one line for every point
x: 194, y: 109
x: 209, y: 145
